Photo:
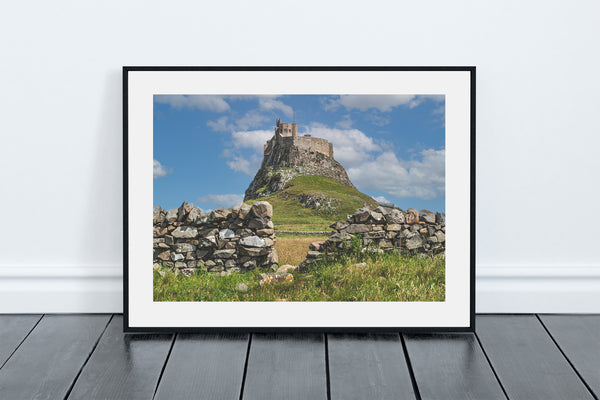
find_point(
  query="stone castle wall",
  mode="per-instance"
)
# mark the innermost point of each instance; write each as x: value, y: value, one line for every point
x: 309, y: 143
x: 220, y: 241
x: 386, y: 229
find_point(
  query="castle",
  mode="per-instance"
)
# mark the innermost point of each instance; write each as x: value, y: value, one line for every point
x: 287, y: 155
x: 286, y: 135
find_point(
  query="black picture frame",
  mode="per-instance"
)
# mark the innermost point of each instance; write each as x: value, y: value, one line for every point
x: 128, y: 327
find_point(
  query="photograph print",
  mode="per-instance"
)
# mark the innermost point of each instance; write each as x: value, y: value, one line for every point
x: 296, y: 198
x: 299, y: 198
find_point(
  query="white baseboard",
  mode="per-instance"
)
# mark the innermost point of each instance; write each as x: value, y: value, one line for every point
x: 49, y: 289
x: 93, y: 289
x: 538, y: 289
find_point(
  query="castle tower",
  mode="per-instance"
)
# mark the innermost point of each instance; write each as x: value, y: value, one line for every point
x: 286, y: 129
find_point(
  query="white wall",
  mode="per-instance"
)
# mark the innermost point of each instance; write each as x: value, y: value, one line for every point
x: 538, y: 130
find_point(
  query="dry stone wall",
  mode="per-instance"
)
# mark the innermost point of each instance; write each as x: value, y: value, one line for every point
x: 386, y: 229
x: 220, y: 241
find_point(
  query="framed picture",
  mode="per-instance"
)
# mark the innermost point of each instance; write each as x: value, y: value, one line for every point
x: 299, y: 198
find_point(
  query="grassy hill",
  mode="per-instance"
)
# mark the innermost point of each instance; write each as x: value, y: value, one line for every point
x: 313, y: 202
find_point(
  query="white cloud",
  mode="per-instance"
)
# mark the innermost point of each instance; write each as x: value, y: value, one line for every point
x: 222, y: 200
x: 251, y: 139
x: 382, y: 103
x: 377, y: 119
x: 247, y: 166
x: 240, y: 164
x: 251, y: 119
x: 201, y: 102
x: 423, y: 178
x: 158, y: 170
x: 440, y: 114
x: 346, y: 122
x: 220, y: 124
x: 350, y: 146
x: 270, y: 104
x: 383, y: 201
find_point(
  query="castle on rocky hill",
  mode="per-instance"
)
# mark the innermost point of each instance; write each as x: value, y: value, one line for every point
x: 286, y: 134
x: 287, y: 155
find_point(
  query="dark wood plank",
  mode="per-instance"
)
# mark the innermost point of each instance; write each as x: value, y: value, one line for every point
x: 286, y: 366
x: 579, y: 338
x: 13, y: 329
x: 123, y: 366
x: 451, y: 366
x: 47, y: 363
x: 204, y: 367
x: 526, y: 360
x: 368, y: 366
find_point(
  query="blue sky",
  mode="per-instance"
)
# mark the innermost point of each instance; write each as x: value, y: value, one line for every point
x: 208, y: 148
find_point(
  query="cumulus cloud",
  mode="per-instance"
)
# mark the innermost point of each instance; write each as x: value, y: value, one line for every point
x: 271, y: 104
x: 242, y: 142
x: 251, y: 119
x: 248, y: 166
x: 440, y: 114
x: 382, y: 103
x: 223, y: 200
x: 251, y: 139
x: 240, y: 164
x: 158, y: 170
x: 351, y: 147
x: 423, y: 178
x: 346, y: 122
x: 220, y: 124
x: 383, y: 201
x: 201, y: 102
x: 377, y: 119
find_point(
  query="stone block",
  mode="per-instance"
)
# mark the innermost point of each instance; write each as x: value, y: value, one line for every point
x: 358, y: 228
x: 226, y: 234
x: 265, y: 232
x: 252, y: 241
x: 185, y: 232
x: 262, y: 209
x: 395, y: 217
x: 340, y: 225
x: 427, y: 216
x: 226, y: 253
x: 183, y: 247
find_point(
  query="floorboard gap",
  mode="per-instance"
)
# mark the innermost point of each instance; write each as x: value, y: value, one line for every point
x: 490, y: 364
x: 87, y: 358
x: 410, y: 368
x: 327, y: 375
x: 21, y: 342
x: 566, y: 358
x: 246, y: 366
x: 162, y: 371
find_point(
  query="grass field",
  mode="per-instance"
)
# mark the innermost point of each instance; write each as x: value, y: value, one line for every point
x: 384, y: 277
x: 290, y: 214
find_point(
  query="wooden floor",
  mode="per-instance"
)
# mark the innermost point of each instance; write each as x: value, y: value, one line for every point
x: 510, y: 356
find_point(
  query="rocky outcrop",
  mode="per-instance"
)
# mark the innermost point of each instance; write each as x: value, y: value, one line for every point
x: 287, y: 160
x: 220, y: 241
x: 385, y: 229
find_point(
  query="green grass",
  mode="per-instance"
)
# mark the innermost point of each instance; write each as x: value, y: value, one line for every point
x: 386, y: 277
x: 290, y: 214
